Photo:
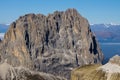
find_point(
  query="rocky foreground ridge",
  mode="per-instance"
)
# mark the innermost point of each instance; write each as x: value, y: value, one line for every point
x: 109, y: 71
x: 7, y: 72
x: 54, y: 44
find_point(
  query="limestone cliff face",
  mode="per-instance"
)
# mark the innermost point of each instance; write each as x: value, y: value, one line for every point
x: 54, y: 44
x: 109, y: 71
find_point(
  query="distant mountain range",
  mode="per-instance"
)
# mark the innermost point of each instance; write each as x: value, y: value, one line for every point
x: 3, y: 29
x: 105, y: 32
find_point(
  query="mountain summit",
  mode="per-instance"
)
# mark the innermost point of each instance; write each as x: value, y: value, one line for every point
x: 54, y: 44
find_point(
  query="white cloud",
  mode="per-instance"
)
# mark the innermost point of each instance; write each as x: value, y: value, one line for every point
x: 2, y: 35
x: 114, y: 23
x: 7, y: 24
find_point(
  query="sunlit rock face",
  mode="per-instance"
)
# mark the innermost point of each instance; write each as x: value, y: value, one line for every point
x: 55, y: 43
x: 109, y: 71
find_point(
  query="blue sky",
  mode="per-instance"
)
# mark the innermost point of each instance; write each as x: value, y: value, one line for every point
x: 96, y: 11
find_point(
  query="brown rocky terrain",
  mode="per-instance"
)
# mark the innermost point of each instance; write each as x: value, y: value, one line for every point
x: 7, y: 72
x: 54, y: 44
x: 109, y: 71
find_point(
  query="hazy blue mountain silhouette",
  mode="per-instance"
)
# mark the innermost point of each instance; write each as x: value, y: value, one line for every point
x: 106, y: 31
x: 3, y: 28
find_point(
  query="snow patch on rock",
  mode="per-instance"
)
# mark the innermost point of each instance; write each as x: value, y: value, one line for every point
x: 110, y: 68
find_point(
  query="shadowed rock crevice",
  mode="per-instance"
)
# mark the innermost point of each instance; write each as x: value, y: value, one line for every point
x: 77, y: 60
x: 91, y: 48
x: 0, y: 40
x: 27, y: 39
x: 14, y: 25
x: 57, y: 25
x: 95, y: 45
x: 47, y: 37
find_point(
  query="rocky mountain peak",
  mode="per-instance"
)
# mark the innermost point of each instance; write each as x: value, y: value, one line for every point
x: 55, y: 44
x: 72, y: 12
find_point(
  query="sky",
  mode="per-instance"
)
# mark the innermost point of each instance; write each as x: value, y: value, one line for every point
x: 96, y: 11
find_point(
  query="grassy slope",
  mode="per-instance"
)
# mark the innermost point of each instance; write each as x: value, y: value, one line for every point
x: 88, y: 72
